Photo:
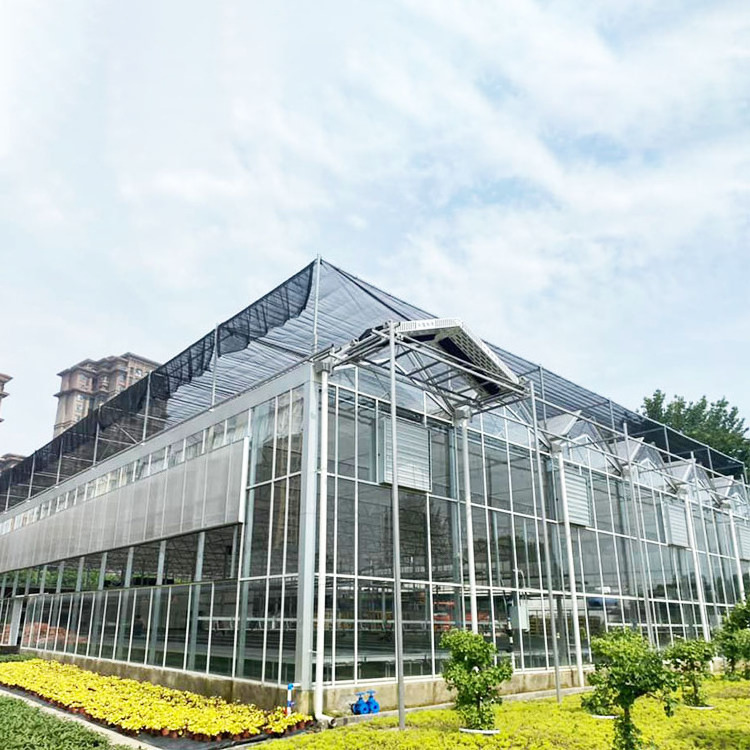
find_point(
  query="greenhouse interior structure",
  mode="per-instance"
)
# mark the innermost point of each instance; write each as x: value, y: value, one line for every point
x: 324, y: 484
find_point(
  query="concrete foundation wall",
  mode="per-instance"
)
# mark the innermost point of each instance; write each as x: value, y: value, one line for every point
x: 336, y: 700
x: 246, y: 691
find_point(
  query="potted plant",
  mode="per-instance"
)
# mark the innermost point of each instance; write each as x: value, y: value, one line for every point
x: 627, y: 668
x: 475, y: 675
x: 690, y: 661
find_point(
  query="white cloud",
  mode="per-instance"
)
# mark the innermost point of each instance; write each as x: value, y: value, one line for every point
x: 570, y: 178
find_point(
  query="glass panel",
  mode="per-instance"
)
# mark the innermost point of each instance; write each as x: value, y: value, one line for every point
x: 375, y: 531
x: 445, y: 535
x: 376, y: 645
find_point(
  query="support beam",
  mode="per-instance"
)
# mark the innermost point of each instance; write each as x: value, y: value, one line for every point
x: 571, y: 570
x: 397, y: 615
x: 469, y: 523
x: 736, y: 549
x: 541, y: 495
x: 322, y: 546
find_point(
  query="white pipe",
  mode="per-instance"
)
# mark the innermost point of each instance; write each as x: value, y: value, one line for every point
x: 469, y: 527
x: 322, y: 538
x: 571, y: 570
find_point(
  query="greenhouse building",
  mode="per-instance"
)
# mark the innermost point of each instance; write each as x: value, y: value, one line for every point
x: 324, y: 484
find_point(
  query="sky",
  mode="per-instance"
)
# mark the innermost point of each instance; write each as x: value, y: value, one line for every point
x: 572, y: 179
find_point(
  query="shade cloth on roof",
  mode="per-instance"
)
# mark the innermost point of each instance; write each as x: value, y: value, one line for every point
x: 277, y: 332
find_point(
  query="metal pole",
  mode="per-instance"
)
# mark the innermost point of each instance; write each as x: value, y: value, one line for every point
x: 571, y: 570
x: 322, y: 546
x: 145, y: 411
x: 96, y: 443
x: 469, y: 525
x: 214, y: 364
x: 641, y: 534
x: 736, y: 548
x: 547, y: 558
x: 696, y: 560
x: 397, y: 618
x: 315, y: 304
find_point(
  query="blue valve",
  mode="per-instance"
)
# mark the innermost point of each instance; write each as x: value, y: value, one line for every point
x: 361, y: 707
x: 372, y: 703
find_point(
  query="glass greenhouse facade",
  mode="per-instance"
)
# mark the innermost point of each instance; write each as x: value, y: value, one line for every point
x: 190, y: 544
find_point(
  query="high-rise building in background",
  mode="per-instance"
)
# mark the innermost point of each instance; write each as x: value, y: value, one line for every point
x: 3, y: 380
x: 90, y: 383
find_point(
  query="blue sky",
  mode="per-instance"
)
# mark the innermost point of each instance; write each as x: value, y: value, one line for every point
x: 570, y: 178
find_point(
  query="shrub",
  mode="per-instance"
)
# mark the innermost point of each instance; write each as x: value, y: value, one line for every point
x: 6, y: 658
x: 734, y: 646
x: 472, y: 673
x: 627, y: 668
x: 690, y: 660
x: 600, y: 701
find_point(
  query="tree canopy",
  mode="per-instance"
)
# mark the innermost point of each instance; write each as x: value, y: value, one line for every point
x: 715, y: 423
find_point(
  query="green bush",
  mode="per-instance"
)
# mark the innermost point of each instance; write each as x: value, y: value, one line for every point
x: 734, y: 646
x: 472, y: 673
x: 25, y: 728
x: 627, y: 668
x: 690, y: 660
x: 5, y: 658
x: 600, y: 701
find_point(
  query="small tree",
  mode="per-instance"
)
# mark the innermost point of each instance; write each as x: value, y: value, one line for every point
x: 729, y: 645
x: 472, y: 673
x: 690, y: 660
x: 627, y: 668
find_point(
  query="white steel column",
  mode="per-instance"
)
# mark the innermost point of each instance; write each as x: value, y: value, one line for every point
x: 469, y: 522
x: 397, y: 616
x: 571, y: 568
x: 322, y: 539
x: 736, y: 547
x: 697, y: 563
x: 545, y: 536
x: 640, y: 533
x: 308, y: 504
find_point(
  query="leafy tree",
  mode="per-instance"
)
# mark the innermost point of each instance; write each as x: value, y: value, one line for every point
x: 716, y: 423
x: 472, y: 673
x: 690, y: 660
x: 733, y: 640
x: 627, y: 668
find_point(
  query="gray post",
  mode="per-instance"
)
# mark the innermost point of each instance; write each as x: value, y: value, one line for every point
x: 736, y: 548
x: 315, y: 306
x: 697, y: 564
x: 153, y: 627
x: 195, y: 602
x: 571, y: 569
x: 547, y: 558
x: 214, y: 365
x: 641, y: 534
x: 397, y: 616
x: 469, y: 524
x: 144, y: 434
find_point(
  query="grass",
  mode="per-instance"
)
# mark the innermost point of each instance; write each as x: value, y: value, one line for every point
x: 543, y: 725
x: 23, y: 727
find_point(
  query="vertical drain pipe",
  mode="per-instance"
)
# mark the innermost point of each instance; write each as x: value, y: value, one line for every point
x: 322, y: 539
x: 571, y: 569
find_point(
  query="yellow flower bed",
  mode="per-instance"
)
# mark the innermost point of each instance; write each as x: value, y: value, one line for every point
x: 142, y: 707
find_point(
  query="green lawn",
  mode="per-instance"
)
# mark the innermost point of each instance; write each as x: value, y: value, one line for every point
x: 542, y: 725
x: 23, y: 727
